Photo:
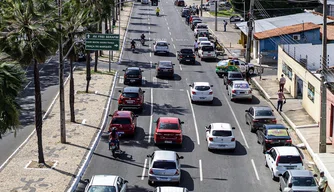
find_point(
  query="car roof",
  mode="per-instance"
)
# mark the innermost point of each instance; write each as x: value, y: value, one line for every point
x: 301, y: 173
x: 202, y: 38
x: 287, y: 151
x: 165, y: 62
x: 262, y: 108
x: 221, y: 126
x: 104, y: 180
x: 201, y: 84
x: 172, y: 189
x: 202, y: 24
x: 274, y: 126
x: 205, y: 42
x: 239, y: 81
x: 131, y: 89
x: 161, y: 41
x: 169, y: 119
x: 133, y: 68
x: 165, y: 155
x: 122, y: 114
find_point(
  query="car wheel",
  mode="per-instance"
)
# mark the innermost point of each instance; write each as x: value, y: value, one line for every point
x: 258, y: 141
x: 280, y: 186
x: 265, y: 162
x: 224, y: 82
x: 210, y: 150
x: 273, y: 176
x: 251, y: 128
x: 155, y: 53
x: 264, y: 149
x: 149, y: 182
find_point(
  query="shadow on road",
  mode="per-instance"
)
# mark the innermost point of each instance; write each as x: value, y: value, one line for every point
x: 187, y: 146
x: 240, y: 150
x: 164, y: 109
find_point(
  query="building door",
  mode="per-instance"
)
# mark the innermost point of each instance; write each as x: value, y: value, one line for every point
x: 299, y: 87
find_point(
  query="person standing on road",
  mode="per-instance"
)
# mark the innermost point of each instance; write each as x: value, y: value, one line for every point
x: 282, y: 81
x: 195, y: 46
x: 280, y: 96
x: 323, y: 183
x: 225, y: 23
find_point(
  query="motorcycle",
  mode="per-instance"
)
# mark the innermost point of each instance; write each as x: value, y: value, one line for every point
x: 142, y: 40
x: 157, y: 13
x: 114, y: 148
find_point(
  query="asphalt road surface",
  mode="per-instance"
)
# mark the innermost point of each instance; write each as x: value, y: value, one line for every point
x: 202, y: 171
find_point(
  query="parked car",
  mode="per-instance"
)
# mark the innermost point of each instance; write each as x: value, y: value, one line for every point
x: 257, y: 116
x: 239, y: 90
x: 131, y: 98
x: 164, y: 167
x: 271, y: 135
x: 169, y: 189
x: 186, y: 55
x: 299, y: 180
x: 200, y: 39
x: 161, y: 47
x: 168, y: 130
x: 205, y: 6
x: 144, y: 1
x: 236, y: 18
x: 220, y: 136
x: 185, y: 11
x: 201, y: 27
x: 194, y: 23
x: 232, y: 76
x: 133, y: 75
x: 201, y: 91
x: 207, y: 52
x: 179, y: 3
x: 205, y: 43
x: 192, y: 17
x: 124, y: 121
x: 106, y: 183
x: 280, y: 159
x: 164, y: 69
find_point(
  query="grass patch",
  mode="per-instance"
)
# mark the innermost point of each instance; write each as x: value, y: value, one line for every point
x: 112, y: 72
x: 84, y: 92
x: 224, y: 13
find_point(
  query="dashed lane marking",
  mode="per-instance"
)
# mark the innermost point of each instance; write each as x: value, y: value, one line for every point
x: 194, y: 118
x: 174, y: 46
x: 256, y: 174
x: 144, y: 170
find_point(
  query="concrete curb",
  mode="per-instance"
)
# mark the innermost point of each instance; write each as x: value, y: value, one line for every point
x: 96, y: 141
x: 125, y: 34
x: 262, y: 90
x: 32, y: 133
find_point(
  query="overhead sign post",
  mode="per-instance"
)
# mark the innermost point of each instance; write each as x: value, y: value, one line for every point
x: 97, y: 41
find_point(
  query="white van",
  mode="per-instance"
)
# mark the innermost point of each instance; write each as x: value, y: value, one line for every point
x: 144, y: 1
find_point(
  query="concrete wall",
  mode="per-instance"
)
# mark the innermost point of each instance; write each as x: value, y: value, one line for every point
x: 312, y: 107
x: 330, y: 102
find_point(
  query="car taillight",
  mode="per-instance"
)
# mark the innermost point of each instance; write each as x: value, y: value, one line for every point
x: 124, y: 76
x: 233, y: 139
x: 158, y: 69
x: 193, y: 92
x: 138, y: 99
x: 180, y: 56
x: 120, y: 100
x: 254, y: 120
x: 289, y: 141
x: 194, y: 56
x: 151, y: 171
x: 278, y: 160
x: 210, y: 139
x: 228, y: 81
x: 158, y: 134
x: 210, y: 92
x: 250, y: 91
x: 234, y: 91
x: 274, y: 120
x: 177, y: 172
x: 268, y: 141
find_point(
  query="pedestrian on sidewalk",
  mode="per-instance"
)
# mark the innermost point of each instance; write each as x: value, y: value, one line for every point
x: 225, y: 23
x: 195, y: 47
x: 282, y: 81
x: 280, y: 96
x: 323, y: 183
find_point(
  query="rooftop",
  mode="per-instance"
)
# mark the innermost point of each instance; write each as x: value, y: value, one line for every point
x: 330, y: 32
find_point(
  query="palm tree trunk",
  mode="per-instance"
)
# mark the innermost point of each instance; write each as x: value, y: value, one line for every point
x: 72, y: 91
x: 96, y: 60
x: 38, y: 113
x: 88, y: 76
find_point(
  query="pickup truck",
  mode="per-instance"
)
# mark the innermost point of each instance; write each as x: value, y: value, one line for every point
x: 186, y: 55
x: 224, y: 66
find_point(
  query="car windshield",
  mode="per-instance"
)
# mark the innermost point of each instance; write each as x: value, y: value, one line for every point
x: 221, y: 133
x: 170, y: 126
x: 202, y: 88
x: 207, y: 48
x: 186, y: 51
x: 164, y: 165
x: 130, y: 95
x: 303, y: 181
x: 165, y: 64
x: 100, y: 188
x: 162, y: 44
x: 205, y: 43
x: 277, y: 132
x: 122, y: 121
x: 202, y: 27
x: 264, y: 113
x: 289, y: 159
x: 241, y: 85
x: 235, y: 75
x: 132, y: 72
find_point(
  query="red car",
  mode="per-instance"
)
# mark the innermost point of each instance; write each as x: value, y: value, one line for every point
x: 131, y: 98
x: 168, y: 130
x: 124, y: 121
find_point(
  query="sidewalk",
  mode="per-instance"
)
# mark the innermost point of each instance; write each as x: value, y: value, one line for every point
x: 304, y: 126
x: 64, y: 162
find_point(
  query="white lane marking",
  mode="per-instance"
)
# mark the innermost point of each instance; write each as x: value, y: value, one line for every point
x: 174, y: 46
x: 27, y: 85
x: 143, y: 81
x: 172, y: 39
x: 144, y: 170
x: 149, y: 27
x: 236, y: 120
x: 200, y: 170
x: 151, y: 64
x: 149, y: 38
x: 168, y: 28
x: 150, y: 54
x: 194, y: 117
x: 180, y: 67
x: 170, y: 33
x: 149, y: 33
x: 256, y: 174
x: 149, y: 46
x: 167, y: 22
x: 121, y: 80
x: 41, y: 69
x: 83, y: 122
x: 151, y: 118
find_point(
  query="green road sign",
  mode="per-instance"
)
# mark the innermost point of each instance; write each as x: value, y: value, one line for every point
x: 97, y: 41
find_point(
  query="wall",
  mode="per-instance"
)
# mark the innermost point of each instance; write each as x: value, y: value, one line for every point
x: 311, y: 107
x: 330, y: 102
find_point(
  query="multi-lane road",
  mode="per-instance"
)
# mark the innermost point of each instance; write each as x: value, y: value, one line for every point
x: 203, y: 171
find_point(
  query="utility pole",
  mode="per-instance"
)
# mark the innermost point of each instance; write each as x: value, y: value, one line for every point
x: 323, y: 119
x: 244, y: 9
x: 61, y: 81
x: 250, y: 31
x: 201, y: 6
x: 216, y: 7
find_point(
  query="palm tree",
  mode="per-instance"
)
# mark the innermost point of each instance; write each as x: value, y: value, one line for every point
x: 11, y: 81
x: 29, y: 36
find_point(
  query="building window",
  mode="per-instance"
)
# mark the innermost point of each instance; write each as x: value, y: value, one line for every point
x: 310, y: 92
x: 287, y: 71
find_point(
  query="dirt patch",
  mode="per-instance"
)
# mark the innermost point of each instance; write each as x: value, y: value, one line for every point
x: 36, y: 165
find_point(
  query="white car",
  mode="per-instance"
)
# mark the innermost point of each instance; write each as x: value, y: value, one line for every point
x: 282, y: 158
x: 106, y: 183
x: 207, y: 52
x: 239, y: 90
x: 201, y: 91
x: 201, y: 27
x: 220, y: 136
x: 161, y: 47
x: 205, y: 43
x: 200, y: 39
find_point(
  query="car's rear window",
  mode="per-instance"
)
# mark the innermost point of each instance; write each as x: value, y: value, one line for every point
x: 235, y: 75
x: 186, y: 51
x: 122, y: 121
x: 202, y: 88
x: 202, y: 27
x: 203, y: 39
x: 130, y: 95
x: 221, y: 133
x: 172, y: 126
x: 303, y: 181
x: 241, y: 85
x: 162, y: 44
x: 263, y: 113
x: 100, y: 188
x: 289, y: 159
x: 207, y: 48
x: 132, y: 72
x: 278, y: 132
x: 164, y: 165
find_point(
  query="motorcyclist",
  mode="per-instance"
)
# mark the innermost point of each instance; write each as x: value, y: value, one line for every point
x: 133, y: 44
x: 157, y: 10
x: 113, y: 137
x: 142, y: 36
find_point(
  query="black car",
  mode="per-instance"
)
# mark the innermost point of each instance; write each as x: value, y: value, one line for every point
x: 257, y: 116
x: 185, y: 12
x: 232, y: 76
x: 164, y: 69
x: 186, y: 56
x: 271, y: 135
x: 133, y: 75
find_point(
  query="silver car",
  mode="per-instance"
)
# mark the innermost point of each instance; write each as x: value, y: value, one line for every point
x: 239, y: 90
x: 298, y: 180
x: 165, y: 167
